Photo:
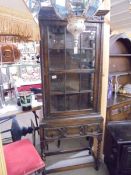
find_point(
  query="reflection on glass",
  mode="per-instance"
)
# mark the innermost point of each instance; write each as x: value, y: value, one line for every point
x: 56, y: 47
x: 57, y: 103
x: 57, y: 59
x: 69, y: 41
x: 57, y: 82
x: 72, y: 60
x: 71, y: 75
x: 56, y: 37
x: 87, y: 81
x: 86, y: 100
x: 88, y: 39
x: 87, y: 59
x: 72, y: 102
x: 72, y: 82
x: 88, y: 49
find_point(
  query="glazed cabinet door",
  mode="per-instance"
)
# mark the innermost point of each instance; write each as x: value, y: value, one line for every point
x: 72, y: 79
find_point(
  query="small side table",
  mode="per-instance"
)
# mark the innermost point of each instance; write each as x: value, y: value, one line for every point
x: 118, y: 148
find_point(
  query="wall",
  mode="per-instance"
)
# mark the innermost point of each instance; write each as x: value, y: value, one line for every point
x: 106, y: 38
x: 2, y: 161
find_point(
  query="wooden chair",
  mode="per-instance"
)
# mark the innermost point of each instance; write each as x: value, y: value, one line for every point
x: 22, y: 158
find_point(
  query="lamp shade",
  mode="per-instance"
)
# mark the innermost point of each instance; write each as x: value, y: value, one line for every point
x: 66, y: 8
x: 17, y: 21
x: 76, y: 12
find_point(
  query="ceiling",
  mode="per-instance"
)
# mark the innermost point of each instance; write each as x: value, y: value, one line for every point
x: 121, y: 16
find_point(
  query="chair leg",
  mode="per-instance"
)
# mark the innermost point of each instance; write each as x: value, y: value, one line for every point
x: 44, y: 172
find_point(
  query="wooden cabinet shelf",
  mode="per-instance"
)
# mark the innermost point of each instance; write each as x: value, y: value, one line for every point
x: 119, y: 73
x: 66, y: 48
x: 120, y: 55
x: 90, y: 70
x: 69, y: 92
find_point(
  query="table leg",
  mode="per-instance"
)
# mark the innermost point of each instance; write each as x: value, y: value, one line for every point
x: 36, y: 120
x: 97, y: 161
x: 36, y: 117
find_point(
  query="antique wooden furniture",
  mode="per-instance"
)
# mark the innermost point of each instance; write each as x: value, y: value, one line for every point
x: 71, y: 84
x: 119, y: 108
x: 118, y: 155
x: 118, y: 105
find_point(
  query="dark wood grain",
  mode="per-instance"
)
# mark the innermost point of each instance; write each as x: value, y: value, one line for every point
x: 118, y: 106
x: 71, y: 84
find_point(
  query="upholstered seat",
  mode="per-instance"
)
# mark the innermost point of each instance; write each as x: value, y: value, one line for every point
x: 22, y: 158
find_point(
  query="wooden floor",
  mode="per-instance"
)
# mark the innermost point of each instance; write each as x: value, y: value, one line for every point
x: 73, y: 159
x: 85, y: 171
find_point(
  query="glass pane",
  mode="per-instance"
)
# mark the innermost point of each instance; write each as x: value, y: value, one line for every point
x: 88, y: 46
x: 69, y: 41
x: 88, y: 38
x: 71, y: 89
x: 72, y: 102
x: 57, y: 103
x: 87, y: 59
x: 57, y: 83
x: 56, y: 47
x: 56, y: 59
x: 87, y: 81
x: 72, y: 60
x: 56, y: 37
x: 72, y: 82
x: 86, y: 100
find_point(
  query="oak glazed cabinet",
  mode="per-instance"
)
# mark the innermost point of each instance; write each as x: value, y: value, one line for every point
x: 71, y: 83
x: 118, y: 120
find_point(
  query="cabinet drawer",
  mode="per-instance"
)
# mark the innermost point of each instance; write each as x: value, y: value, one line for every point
x: 122, y: 116
x: 72, y: 131
x: 80, y: 126
x: 119, y: 112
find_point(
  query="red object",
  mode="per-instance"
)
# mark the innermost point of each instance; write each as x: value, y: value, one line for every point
x: 22, y: 158
x: 28, y: 87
